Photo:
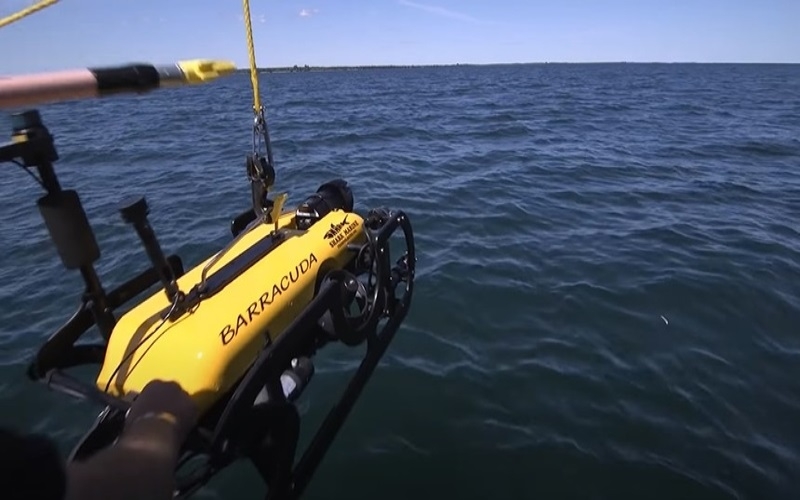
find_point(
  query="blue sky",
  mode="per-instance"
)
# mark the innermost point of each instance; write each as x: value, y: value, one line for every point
x: 79, y: 33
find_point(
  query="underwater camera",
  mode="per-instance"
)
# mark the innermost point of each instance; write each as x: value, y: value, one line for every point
x: 239, y: 330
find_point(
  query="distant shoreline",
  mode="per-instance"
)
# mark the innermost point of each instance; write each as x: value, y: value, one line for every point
x: 307, y: 68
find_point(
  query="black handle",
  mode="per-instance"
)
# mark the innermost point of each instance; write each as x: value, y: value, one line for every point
x: 134, y: 211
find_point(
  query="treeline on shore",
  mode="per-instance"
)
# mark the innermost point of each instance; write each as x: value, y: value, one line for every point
x: 298, y: 68
x: 306, y: 68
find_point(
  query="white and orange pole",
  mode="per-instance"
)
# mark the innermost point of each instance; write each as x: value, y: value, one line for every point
x: 40, y: 88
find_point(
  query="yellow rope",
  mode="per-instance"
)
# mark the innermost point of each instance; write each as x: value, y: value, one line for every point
x: 252, y: 50
x: 27, y: 11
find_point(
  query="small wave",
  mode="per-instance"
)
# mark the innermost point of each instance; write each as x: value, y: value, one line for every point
x: 770, y: 148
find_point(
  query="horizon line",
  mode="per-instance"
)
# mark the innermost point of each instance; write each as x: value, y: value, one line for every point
x: 306, y: 67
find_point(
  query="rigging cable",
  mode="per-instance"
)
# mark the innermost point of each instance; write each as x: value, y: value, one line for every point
x: 27, y: 11
x: 260, y: 130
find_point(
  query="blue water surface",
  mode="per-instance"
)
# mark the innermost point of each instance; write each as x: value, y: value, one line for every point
x: 608, y: 294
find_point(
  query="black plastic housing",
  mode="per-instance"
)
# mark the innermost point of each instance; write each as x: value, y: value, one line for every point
x: 332, y: 195
x: 69, y: 228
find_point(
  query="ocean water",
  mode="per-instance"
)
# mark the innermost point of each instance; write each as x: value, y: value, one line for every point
x: 608, y: 292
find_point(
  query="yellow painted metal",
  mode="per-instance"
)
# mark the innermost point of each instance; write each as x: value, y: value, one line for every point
x: 209, y: 348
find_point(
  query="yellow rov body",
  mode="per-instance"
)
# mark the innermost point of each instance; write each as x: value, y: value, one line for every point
x: 208, y: 348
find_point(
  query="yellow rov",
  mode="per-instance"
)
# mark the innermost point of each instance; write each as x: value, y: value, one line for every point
x: 239, y: 330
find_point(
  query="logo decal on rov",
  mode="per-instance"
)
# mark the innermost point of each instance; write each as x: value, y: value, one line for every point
x: 229, y: 332
x: 340, y: 233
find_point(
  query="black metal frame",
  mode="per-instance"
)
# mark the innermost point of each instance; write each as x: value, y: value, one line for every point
x: 237, y: 426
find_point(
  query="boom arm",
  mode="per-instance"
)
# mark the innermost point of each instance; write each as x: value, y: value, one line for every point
x: 40, y: 88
